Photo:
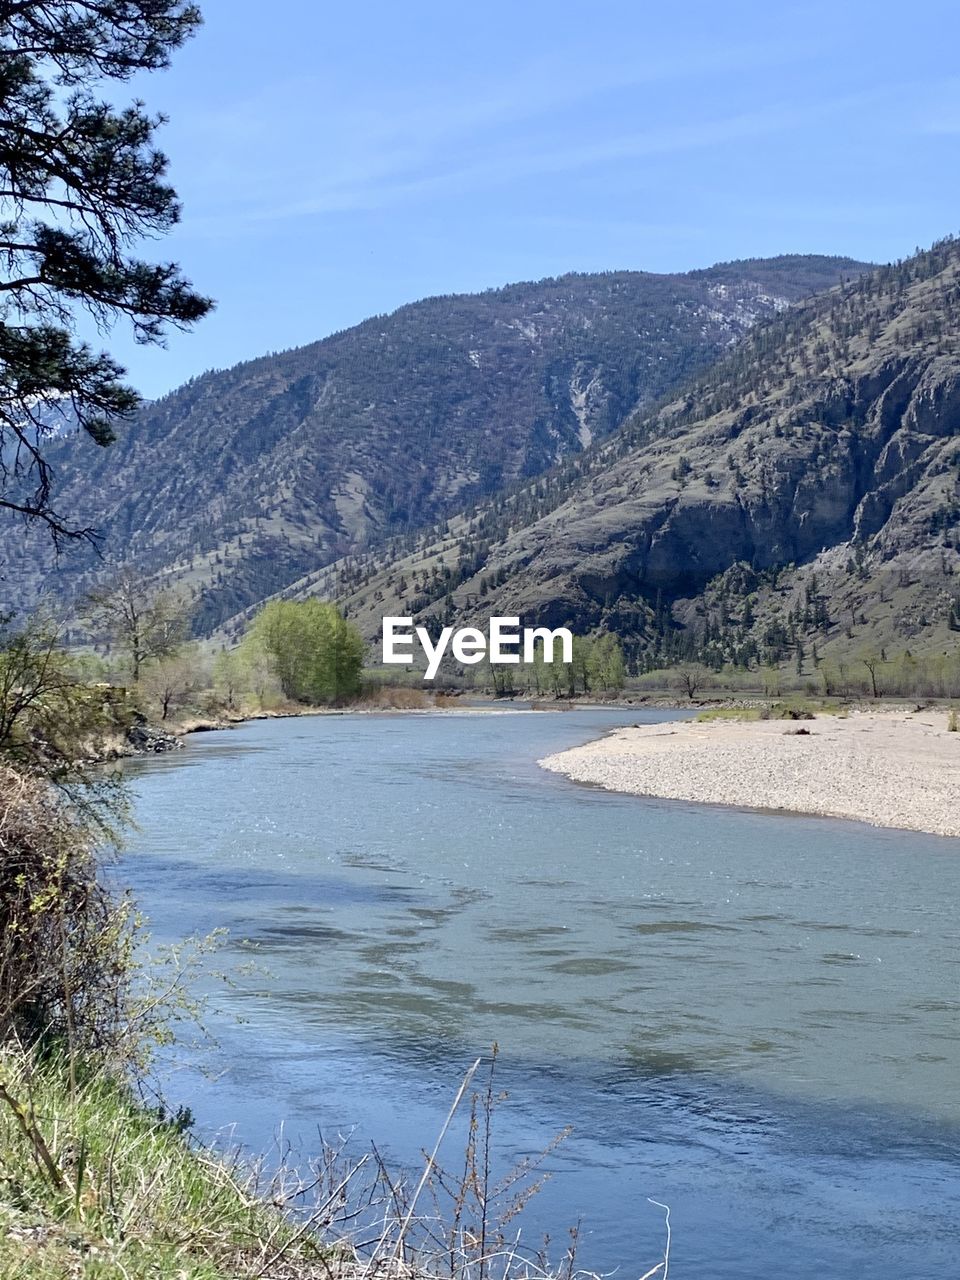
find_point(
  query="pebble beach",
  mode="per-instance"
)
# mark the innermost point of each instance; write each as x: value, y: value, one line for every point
x: 888, y: 768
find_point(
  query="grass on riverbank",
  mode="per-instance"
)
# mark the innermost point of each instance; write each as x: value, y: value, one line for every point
x: 93, y: 1184
x: 795, y: 709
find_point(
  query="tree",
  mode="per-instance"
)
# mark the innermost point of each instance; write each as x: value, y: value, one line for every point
x: 52, y: 717
x: 140, y: 622
x: 691, y: 679
x: 80, y: 182
x: 607, y: 667
x: 580, y: 668
x: 170, y: 682
x: 316, y: 654
x: 537, y: 669
x: 558, y: 677
x: 231, y: 677
x: 65, y: 939
x: 872, y: 661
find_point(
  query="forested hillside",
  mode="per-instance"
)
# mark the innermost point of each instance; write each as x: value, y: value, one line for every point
x: 244, y: 479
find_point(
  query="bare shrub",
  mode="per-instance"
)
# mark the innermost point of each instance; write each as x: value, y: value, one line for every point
x: 65, y: 940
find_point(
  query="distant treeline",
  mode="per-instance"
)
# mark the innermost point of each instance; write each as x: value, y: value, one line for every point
x: 871, y: 674
x: 597, y: 665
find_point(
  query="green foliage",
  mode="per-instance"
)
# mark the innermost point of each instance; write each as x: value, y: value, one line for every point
x: 80, y: 180
x: 901, y: 675
x: 597, y: 666
x: 109, y: 1188
x: 232, y: 678
x: 728, y: 713
x: 794, y: 709
x: 65, y: 941
x: 316, y: 654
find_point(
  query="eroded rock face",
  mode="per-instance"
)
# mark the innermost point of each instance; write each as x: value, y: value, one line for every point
x: 934, y: 408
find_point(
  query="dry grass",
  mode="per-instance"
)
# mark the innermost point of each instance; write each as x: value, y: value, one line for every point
x: 92, y: 1183
x: 394, y: 698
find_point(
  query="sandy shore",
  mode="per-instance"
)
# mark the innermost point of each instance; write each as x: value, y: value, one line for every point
x: 891, y: 769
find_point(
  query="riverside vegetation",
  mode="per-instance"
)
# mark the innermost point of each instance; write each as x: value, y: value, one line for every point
x: 93, y: 1181
x: 791, y: 505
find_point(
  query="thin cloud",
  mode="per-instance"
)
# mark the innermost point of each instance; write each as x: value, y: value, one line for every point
x: 400, y: 147
x: 505, y: 163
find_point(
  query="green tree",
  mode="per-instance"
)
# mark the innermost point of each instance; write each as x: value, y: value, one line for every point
x: 231, y: 677
x: 607, y: 667
x: 580, y: 668
x: 316, y: 654
x: 80, y: 182
x: 537, y: 669
x: 557, y: 675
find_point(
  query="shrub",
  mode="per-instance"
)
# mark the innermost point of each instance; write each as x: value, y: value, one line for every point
x: 52, y: 716
x: 729, y: 713
x: 65, y: 939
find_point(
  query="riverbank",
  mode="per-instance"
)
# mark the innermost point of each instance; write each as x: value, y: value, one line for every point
x: 96, y: 1182
x: 145, y: 739
x: 889, y: 768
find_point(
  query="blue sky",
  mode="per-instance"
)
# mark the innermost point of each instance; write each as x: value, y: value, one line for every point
x: 339, y: 160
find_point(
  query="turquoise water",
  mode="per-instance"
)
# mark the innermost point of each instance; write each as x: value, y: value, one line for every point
x: 750, y: 1017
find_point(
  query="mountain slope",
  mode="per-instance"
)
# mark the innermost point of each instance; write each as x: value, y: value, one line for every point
x: 805, y: 490
x: 243, y: 479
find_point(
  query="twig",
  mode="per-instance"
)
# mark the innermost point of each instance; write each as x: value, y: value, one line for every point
x: 313, y: 1218
x: 33, y: 1135
x: 404, y: 1226
x: 666, y: 1252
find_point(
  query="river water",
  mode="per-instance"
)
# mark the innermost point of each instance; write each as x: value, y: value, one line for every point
x: 750, y: 1017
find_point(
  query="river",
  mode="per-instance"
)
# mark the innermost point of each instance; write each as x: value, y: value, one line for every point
x: 749, y: 1017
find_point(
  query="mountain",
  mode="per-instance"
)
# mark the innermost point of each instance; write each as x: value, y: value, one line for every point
x: 801, y: 494
x: 244, y: 479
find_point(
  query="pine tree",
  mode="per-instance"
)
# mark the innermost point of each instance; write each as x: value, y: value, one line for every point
x: 80, y: 181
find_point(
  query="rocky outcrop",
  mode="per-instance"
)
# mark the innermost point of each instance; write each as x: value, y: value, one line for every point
x: 148, y: 739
